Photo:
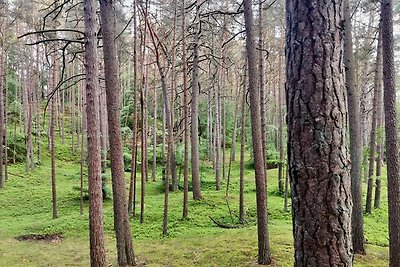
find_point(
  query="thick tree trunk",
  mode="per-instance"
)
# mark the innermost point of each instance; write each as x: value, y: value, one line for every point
x: 97, y: 250
x: 264, y: 254
x: 195, y: 110
x: 353, y: 99
x: 317, y: 123
x: 392, y: 140
x: 121, y: 220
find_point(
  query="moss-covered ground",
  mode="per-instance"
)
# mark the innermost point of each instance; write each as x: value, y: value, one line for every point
x: 25, y: 208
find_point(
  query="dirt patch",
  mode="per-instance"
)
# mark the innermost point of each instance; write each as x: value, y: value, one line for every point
x: 50, y: 238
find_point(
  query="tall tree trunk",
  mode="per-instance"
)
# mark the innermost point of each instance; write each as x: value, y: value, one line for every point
x: 264, y: 254
x: 4, y: 94
x: 154, y: 169
x: 217, y: 131
x: 232, y: 154
x: 103, y: 128
x: 317, y: 122
x: 37, y: 101
x: 25, y: 104
x: 29, y: 146
x: 261, y: 83
x: 52, y: 137
x: 168, y: 117
x: 132, y: 185
x: 186, y: 119
x: 82, y: 156
x: 392, y: 140
x: 375, y: 118
x: 6, y: 117
x: 163, y: 143
x: 63, y: 117
x: 353, y: 99
x: 121, y: 220
x: 242, y: 148
x: 378, y: 105
x: 235, y: 126
x: 280, y: 127
x: 97, y: 250
x: 170, y: 156
x: 174, y: 177
x: 195, y: 110
x: 72, y: 118
x: 2, y: 129
x: 143, y: 104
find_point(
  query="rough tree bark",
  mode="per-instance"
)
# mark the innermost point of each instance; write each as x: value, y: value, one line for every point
x: 264, y: 254
x: 392, y: 140
x: 353, y: 99
x: 261, y: 83
x: 97, y: 250
x: 195, y: 110
x: 121, y: 219
x: 317, y: 123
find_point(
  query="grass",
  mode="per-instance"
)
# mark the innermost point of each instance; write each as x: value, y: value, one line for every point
x: 26, y: 208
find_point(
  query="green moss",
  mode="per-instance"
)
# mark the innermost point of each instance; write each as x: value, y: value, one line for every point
x: 197, y: 241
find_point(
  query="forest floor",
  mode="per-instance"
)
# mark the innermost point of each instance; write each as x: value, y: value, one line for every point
x: 26, y: 209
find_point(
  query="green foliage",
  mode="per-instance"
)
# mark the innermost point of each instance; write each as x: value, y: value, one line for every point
x: 126, y: 134
x: 16, y: 141
x: 104, y: 187
x: 126, y: 116
x: 203, y: 150
x: 127, y: 161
